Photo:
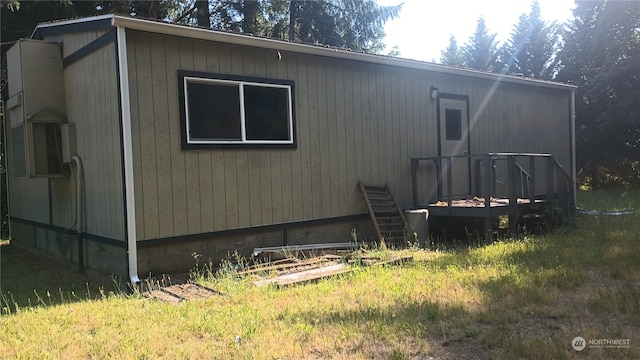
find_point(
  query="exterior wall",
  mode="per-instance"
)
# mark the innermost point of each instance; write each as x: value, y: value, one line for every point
x: 167, y: 256
x: 28, y: 197
x: 49, y: 205
x: 518, y: 118
x: 354, y: 121
x: 55, y: 243
x: 75, y: 41
x: 91, y: 86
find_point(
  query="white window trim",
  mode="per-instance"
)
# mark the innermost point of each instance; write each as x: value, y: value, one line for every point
x: 240, y: 84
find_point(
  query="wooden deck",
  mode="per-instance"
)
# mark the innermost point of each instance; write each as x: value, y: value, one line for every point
x: 475, y: 207
x: 510, y: 184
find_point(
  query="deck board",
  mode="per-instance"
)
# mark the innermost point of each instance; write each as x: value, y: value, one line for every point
x: 474, y: 207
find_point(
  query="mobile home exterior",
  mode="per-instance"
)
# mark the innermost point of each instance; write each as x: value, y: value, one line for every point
x: 164, y: 179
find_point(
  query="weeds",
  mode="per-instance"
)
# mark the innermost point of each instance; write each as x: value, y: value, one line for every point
x: 515, y: 298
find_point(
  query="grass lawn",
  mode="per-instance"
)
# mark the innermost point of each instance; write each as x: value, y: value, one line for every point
x: 524, y: 298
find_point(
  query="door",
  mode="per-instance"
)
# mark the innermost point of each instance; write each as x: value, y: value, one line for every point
x: 453, y: 120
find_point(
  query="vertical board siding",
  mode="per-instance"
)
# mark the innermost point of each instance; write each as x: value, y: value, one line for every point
x: 161, y: 130
x: 91, y: 91
x: 73, y: 42
x: 304, y: 203
x: 354, y: 121
x: 177, y: 189
x: 192, y: 172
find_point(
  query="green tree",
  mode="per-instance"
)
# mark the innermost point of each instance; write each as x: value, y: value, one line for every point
x: 600, y: 56
x: 355, y: 24
x: 19, y: 18
x: 452, y: 55
x: 481, y: 51
x: 532, y: 48
x: 361, y: 24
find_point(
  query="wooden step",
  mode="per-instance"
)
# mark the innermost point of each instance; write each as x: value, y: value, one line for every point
x: 388, y: 219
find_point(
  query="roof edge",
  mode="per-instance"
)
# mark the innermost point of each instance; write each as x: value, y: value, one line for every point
x: 166, y: 28
x: 99, y: 22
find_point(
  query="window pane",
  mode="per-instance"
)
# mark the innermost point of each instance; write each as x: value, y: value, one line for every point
x: 214, y: 112
x: 47, y: 155
x: 453, y: 124
x: 19, y: 162
x: 266, y: 111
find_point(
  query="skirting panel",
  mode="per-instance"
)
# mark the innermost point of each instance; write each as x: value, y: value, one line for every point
x: 58, y: 244
x: 179, y: 256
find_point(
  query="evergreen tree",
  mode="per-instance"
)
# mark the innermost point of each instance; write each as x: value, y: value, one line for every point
x: 532, y: 49
x: 19, y: 18
x: 452, y: 55
x: 355, y: 24
x: 600, y: 56
x: 481, y: 51
x: 203, y: 15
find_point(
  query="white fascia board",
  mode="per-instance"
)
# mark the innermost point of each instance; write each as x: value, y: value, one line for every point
x: 52, y: 24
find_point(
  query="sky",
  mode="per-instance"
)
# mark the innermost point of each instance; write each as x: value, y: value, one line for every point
x: 422, y: 29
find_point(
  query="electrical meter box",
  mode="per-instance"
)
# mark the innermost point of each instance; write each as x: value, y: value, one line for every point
x: 36, y: 108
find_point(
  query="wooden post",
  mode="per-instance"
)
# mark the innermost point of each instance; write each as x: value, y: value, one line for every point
x: 563, y: 196
x: 478, y: 167
x: 494, y: 188
x: 532, y: 180
x: 449, y: 181
x: 512, y: 178
x: 414, y: 181
x: 438, y: 163
x: 551, y: 178
x: 487, y: 187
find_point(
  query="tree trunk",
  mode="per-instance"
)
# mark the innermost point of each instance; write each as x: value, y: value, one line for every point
x: 148, y: 9
x: 250, y: 11
x: 293, y: 6
x: 203, y: 16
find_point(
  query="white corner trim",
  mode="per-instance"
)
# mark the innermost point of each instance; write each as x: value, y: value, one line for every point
x: 573, y: 144
x: 127, y: 148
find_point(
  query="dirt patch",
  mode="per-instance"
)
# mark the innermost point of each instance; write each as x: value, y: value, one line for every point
x: 178, y: 293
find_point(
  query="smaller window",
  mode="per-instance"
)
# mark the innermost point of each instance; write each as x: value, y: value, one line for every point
x: 19, y: 159
x: 220, y: 110
x: 453, y: 124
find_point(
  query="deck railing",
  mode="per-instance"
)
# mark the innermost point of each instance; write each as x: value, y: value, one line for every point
x: 494, y: 175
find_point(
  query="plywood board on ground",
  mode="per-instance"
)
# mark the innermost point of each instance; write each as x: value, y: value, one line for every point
x: 304, y: 276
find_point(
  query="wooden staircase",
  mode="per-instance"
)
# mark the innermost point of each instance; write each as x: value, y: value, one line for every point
x: 387, y: 217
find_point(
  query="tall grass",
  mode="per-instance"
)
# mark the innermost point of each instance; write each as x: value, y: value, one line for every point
x: 517, y: 298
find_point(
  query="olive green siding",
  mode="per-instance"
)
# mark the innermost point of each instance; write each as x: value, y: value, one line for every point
x: 354, y: 121
x: 357, y: 117
x: 92, y: 104
x: 91, y: 91
x: 91, y: 97
x: 75, y: 41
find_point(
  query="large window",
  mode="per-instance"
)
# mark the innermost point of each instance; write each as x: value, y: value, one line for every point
x: 219, y: 110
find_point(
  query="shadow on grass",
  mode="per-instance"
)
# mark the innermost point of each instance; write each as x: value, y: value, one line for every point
x: 28, y: 279
x: 581, y: 280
